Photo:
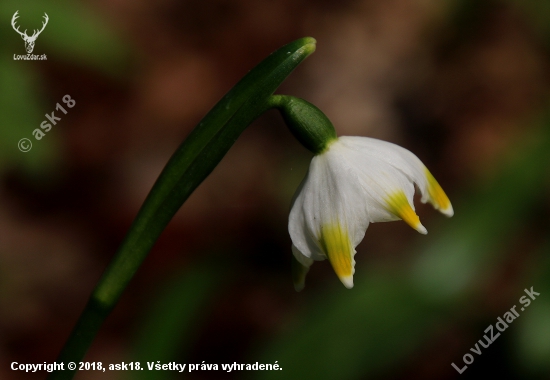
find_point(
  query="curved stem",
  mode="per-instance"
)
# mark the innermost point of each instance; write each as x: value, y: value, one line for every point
x: 192, y: 162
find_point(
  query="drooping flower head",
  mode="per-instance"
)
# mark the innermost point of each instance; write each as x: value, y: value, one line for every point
x: 351, y: 182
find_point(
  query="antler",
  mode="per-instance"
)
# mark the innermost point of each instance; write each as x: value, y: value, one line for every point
x: 15, y: 16
x: 37, y: 32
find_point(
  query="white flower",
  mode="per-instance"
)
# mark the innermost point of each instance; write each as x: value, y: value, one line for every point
x: 354, y: 182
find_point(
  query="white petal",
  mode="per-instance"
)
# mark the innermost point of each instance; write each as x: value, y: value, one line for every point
x: 329, y: 215
x: 406, y: 162
x: 388, y: 191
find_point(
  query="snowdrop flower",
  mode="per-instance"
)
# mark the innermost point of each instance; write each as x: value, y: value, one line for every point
x: 351, y: 182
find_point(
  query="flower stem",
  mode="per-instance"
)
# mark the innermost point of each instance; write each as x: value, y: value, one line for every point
x: 192, y: 162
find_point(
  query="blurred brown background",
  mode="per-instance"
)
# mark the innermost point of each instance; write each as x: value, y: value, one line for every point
x: 462, y: 84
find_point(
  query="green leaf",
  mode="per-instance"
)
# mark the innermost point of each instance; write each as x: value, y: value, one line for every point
x: 192, y: 162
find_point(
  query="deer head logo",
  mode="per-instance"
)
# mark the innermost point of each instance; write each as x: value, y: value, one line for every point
x: 29, y: 40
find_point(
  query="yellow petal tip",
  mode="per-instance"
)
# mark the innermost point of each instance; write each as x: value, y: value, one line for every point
x: 338, y: 248
x: 347, y: 281
x: 399, y: 205
x: 420, y: 228
x: 448, y: 212
x: 438, y: 198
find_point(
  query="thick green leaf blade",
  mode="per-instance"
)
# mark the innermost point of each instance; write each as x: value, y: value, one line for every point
x: 197, y: 156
